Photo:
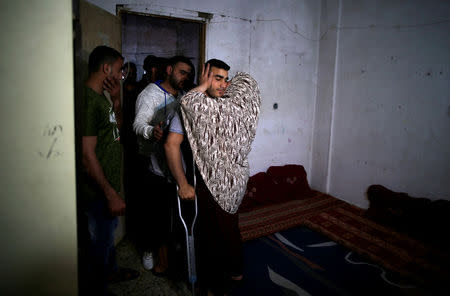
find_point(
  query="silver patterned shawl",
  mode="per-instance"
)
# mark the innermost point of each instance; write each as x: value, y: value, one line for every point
x: 220, y: 132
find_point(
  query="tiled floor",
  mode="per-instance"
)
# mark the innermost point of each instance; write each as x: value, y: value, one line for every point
x: 147, y: 283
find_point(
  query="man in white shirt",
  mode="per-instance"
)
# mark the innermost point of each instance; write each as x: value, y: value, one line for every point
x: 220, y: 255
x: 155, y: 108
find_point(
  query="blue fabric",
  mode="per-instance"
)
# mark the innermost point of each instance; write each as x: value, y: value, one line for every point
x: 299, y: 261
x: 101, y: 250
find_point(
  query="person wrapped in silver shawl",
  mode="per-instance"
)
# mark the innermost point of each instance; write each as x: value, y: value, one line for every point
x: 220, y: 132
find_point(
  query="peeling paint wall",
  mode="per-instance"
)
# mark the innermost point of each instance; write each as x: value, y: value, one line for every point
x: 356, y: 91
x: 283, y: 60
x: 324, y: 99
x: 390, y: 122
x: 277, y: 43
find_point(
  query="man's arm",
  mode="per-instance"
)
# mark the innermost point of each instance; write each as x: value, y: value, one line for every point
x: 90, y: 162
x: 173, y: 155
x: 205, y: 80
x: 144, y: 113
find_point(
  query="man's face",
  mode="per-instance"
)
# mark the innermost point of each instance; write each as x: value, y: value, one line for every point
x: 152, y: 74
x: 179, y: 75
x: 219, y: 82
x: 116, y: 69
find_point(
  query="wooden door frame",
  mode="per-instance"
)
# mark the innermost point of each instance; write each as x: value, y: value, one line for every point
x: 121, y: 9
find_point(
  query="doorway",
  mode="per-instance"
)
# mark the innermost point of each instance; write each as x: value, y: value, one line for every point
x: 144, y: 35
x: 137, y: 35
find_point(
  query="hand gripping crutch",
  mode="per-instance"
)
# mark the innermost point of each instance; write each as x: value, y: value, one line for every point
x: 190, y: 249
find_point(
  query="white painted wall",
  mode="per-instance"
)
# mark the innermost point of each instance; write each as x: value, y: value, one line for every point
x: 356, y: 105
x: 283, y: 55
x: 324, y: 95
x: 277, y: 43
x: 38, y: 249
x: 391, y: 102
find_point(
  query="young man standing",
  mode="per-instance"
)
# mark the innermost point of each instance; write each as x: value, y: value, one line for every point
x: 220, y: 140
x: 213, y: 82
x: 101, y: 158
x: 155, y: 108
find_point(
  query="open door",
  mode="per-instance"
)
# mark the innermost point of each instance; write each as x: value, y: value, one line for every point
x: 96, y: 27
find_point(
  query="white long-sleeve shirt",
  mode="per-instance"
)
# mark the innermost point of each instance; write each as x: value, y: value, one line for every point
x: 154, y: 105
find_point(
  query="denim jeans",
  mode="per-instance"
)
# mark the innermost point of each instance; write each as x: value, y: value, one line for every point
x: 100, y: 259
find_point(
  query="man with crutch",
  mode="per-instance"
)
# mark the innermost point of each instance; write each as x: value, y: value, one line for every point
x: 220, y: 124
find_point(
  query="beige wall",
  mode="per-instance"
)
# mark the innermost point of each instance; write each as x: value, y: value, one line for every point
x: 37, y: 213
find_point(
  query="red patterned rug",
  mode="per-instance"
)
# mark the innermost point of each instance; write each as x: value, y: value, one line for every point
x: 269, y: 219
x: 347, y: 225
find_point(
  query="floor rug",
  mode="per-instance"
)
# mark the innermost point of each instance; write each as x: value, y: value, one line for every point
x: 349, y: 226
x: 300, y: 261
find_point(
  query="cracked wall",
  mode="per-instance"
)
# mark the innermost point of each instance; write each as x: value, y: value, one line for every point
x: 276, y: 42
x: 389, y: 98
x: 355, y: 91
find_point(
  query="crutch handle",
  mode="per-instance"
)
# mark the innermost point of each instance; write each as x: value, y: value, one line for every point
x: 190, y: 249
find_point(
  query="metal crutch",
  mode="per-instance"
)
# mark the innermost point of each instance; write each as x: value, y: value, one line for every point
x: 190, y: 249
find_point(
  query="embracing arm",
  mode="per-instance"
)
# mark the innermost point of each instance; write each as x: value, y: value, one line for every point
x: 205, y: 80
x: 92, y: 166
x: 172, y: 148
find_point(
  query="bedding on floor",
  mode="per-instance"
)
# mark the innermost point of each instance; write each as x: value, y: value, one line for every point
x: 281, y: 198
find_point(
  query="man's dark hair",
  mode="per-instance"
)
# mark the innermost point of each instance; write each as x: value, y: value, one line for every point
x: 161, y: 65
x: 131, y: 65
x: 179, y: 59
x: 149, y: 62
x: 218, y: 64
x: 152, y: 61
x: 102, y: 55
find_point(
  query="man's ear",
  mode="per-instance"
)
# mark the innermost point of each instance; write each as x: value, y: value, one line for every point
x: 169, y: 70
x: 106, y: 69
